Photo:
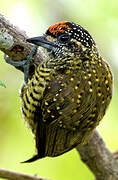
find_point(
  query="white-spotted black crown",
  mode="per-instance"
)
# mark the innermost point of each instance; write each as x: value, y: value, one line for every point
x: 74, y: 30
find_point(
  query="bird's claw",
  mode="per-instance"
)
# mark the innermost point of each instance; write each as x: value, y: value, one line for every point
x: 16, y: 64
x: 25, y: 63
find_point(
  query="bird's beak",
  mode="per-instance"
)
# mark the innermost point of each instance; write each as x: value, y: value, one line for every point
x: 41, y: 41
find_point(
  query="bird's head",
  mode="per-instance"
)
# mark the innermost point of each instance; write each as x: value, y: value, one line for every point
x: 65, y: 39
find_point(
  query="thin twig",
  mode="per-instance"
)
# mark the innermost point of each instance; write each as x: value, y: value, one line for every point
x: 6, y: 174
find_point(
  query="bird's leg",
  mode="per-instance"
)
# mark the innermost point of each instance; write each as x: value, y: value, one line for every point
x: 25, y: 63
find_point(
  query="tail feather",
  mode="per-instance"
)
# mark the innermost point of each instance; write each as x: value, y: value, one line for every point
x: 34, y: 158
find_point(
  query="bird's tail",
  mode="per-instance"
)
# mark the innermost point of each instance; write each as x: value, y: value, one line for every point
x: 34, y: 158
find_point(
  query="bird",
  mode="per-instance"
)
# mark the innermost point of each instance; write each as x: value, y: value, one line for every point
x: 69, y: 92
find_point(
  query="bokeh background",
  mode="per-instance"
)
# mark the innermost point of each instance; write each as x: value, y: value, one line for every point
x: 100, y: 18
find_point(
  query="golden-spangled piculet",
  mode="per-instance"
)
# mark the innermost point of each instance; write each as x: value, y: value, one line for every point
x: 69, y: 93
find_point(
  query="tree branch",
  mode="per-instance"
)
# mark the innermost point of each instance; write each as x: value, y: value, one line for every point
x: 99, y: 159
x: 13, y: 43
x: 17, y: 176
x: 94, y: 154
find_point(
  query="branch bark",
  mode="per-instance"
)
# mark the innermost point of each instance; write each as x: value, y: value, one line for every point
x: 99, y: 159
x: 94, y: 154
x: 13, y: 43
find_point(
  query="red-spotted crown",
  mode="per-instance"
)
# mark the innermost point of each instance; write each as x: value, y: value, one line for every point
x: 60, y: 27
x: 75, y: 31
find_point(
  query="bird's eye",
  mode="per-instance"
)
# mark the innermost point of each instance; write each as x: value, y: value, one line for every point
x: 64, y: 38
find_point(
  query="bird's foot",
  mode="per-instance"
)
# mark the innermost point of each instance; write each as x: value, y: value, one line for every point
x: 25, y: 63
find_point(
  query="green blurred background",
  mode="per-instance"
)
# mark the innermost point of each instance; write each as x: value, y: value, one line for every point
x: 100, y: 18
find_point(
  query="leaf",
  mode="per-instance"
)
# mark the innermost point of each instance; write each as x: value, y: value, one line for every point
x: 2, y: 84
